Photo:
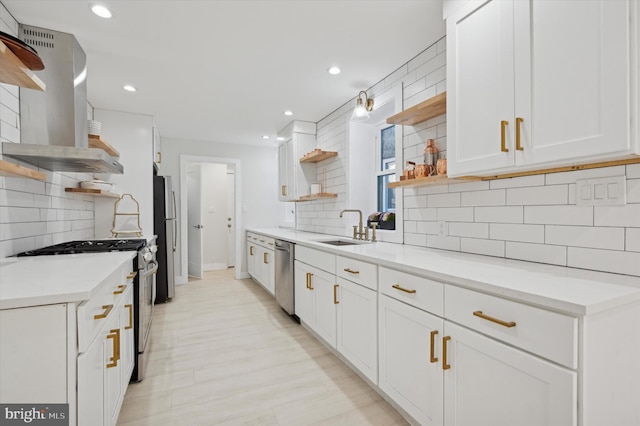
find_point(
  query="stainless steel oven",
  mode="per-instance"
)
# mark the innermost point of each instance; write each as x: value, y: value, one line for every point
x: 144, y: 285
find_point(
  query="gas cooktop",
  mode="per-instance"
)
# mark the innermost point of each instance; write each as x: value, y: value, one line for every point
x: 88, y: 246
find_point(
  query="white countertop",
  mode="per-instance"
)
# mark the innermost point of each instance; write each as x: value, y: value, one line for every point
x: 568, y: 290
x: 45, y: 280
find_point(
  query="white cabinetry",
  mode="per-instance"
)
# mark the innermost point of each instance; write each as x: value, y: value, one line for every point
x: 537, y: 82
x: 157, y: 147
x: 260, y: 260
x: 294, y: 178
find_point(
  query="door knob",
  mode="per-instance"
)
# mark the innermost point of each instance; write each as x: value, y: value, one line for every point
x: 198, y: 226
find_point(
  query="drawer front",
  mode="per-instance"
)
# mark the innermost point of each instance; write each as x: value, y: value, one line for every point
x: 94, y: 313
x: 420, y: 292
x: 359, y: 272
x: 548, y: 334
x: 319, y: 259
x: 266, y: 242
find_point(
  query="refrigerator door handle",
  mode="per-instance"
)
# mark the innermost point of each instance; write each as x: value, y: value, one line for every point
x: 175, y: 222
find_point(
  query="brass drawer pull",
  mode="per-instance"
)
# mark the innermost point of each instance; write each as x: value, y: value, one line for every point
x: 310, y: 286
x: 132, y: 275
x: 130, y: 307
x: 518, y: 141
x: 507, y: 324
x: 432, y: 349
x: 120, y: 290
x: 251, y: 250
x: 397, y: 287
x: 115, y: 336
x: 351, y: 271
x: 159, y: 157
x: 264, y: 258
x: 107, y: 309
x: 335, y: 294
x: 445, y: 362
x: 503, y: 136
x: 283, y: 190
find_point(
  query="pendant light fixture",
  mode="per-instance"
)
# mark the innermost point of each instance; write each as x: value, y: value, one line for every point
x: 362, y: 109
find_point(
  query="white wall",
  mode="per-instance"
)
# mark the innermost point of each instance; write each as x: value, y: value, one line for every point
x: 259, y: 185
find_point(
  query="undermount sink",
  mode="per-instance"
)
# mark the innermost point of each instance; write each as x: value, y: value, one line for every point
x: 341, y: 242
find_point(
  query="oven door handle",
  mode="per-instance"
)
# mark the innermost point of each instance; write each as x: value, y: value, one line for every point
x: 153, y: 270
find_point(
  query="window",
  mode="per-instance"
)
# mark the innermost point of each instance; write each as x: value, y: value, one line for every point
x: 386, y: 168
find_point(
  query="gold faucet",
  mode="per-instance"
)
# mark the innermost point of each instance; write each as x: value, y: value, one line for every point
x: 358, y: 233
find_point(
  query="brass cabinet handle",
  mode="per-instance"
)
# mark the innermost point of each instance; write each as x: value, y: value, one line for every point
x: 132, y: 275
x: 107, y: 309
x: 503, y: 136
x: 397, y: 287
x: 335, y: 294
x: 120, y: 289
x: 307, y: 283
x: 507, y: 324
x: 251, y: 250
x: 262, y: 241
x: 432, y: 349
x: 283, y: 190
x: 264, y: 258
x: 445, y: 362
x: 310, y: 281
x: 130, y: 307
x: 115, y: 336
x: 351, y: 271
x: 518, y: 142
x: 159, y: 157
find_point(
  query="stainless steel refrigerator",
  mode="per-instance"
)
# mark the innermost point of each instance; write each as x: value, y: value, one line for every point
x: 165, y: 226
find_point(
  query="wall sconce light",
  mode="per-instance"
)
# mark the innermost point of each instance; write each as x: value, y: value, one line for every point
x: 361, y: 112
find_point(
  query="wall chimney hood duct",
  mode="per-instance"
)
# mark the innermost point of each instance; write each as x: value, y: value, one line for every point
x: 54, y: 123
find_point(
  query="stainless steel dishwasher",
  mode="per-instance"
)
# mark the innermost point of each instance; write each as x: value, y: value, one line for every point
x: 284, y: 275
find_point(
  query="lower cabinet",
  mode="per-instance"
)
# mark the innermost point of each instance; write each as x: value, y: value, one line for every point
x: 314, y: 300
x: 410, y: 360
x: 490, y: 383
x: 260, y: 260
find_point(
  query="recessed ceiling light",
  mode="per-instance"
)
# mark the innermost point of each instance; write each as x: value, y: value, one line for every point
x: 129, y: 88
x: 265, y: 137
x: 333, y: 70
x: 101, y: 11
x: 280, y: 138
x: 287, y: 112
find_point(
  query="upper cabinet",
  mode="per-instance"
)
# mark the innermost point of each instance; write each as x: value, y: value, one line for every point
x: 535, y: 82
x: 294, y: 177
x: 157, y: 148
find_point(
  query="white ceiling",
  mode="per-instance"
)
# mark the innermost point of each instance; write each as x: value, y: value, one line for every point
x: 226, y: 70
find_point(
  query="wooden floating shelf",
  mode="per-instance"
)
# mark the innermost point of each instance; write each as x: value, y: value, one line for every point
x: 433, y: 180
x: 317, y: 156
x: 13, y: 170
x: 93, y: 192
x: 96, y: 142
x: 424, y: 111
x: 14, y: 71
x: 320, y: 196
x: 444, y: 180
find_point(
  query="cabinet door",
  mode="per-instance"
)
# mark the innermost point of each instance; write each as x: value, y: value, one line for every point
x: 304, y: 306
x: 572, y: 73
x: 492, y: 384
x: 268, y: 261
x: 480, y: 87
x: 286, y: 174
x: 358, y: 327
x: 91, y: 374
x: 126, y: 337
x: 410, y: 369
x: 113, y: 370
x: 322, y: 284
x: 251, y: 257
x: 157, y: 149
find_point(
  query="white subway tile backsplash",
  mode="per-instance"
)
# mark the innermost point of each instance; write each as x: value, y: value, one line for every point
x: 632, y: 239
x: 470, y: 230
x: 620, y: 262
x: 456, y: 214
x: 585, y: 236
x: 445, y: 243
x: 481, y: 246
x: 470, y: 186
x: 420, y: 214
x: 495, y: 197
x: 538, y: 195
x: 19, y: 214
x: 517, y: 232
x: 572, y: 177
x: 428, y: 227
x: 633, y: 191
x: 444, y: 200
x: 628, y: 215
x: 506, y: 214
x: 633, y: 171
x: 554, y: 255
x: 559, y: 215
x: 415, y: 240
x: 518, y: 182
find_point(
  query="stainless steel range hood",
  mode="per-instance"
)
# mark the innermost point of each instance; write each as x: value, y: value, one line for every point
x: 54, y: 123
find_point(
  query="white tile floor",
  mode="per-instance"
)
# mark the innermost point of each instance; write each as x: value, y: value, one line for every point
x: 224, y: 353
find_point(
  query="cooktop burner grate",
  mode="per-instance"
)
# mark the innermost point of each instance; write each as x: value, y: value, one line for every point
x: 87, y: 246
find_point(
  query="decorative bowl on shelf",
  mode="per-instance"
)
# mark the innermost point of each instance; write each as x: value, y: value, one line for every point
x: 97, y: 184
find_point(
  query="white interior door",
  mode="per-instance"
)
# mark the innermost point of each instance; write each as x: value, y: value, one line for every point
x: 231, y: 228
x: 194, y: 221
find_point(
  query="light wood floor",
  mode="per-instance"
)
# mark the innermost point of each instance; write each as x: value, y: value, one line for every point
x: 224, y: 353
